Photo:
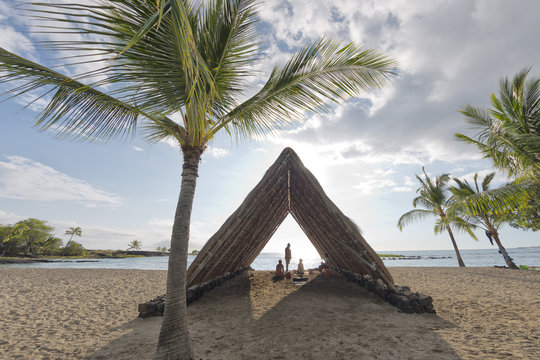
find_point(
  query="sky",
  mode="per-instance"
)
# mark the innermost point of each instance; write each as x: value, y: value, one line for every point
x: 365, y: 153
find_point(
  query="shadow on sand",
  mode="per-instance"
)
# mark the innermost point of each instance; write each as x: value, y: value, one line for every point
x: 252, y: 317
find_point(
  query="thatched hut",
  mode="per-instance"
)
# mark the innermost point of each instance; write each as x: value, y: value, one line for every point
x: 288, y: 187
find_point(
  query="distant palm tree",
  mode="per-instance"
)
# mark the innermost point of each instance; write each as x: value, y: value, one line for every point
x: 435, y: 198
x: 190, y: 58
x: 485, y: 206
x: 134, y: 245
x: 71, y: 231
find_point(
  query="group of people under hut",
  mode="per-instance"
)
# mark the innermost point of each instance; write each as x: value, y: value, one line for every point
x: 283, y: 272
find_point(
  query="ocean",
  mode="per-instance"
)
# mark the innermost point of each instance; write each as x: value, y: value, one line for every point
x: 529, y: 256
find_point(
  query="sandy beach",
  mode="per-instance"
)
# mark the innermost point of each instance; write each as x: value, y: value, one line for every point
x: 482, y: 313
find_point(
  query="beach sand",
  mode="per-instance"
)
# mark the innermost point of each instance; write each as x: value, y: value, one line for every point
x: 482, y: 313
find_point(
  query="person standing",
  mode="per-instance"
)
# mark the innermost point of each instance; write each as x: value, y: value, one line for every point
x: 287, y: 257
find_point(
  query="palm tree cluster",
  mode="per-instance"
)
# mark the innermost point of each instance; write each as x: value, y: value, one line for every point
x: 463, y: 208
x: 157, y: 59
x: 509, y: 136
x: 435, y: 200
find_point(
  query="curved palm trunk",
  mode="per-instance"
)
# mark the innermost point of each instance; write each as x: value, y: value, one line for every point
x: 174, y: 341
x: 458, y: 255
x: 65, y: 247
x: 507, y: 259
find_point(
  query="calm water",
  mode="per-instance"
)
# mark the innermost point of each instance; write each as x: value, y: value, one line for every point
x: 268, y: 261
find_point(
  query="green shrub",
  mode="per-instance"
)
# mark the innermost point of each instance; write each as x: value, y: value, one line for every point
x: 74, y: 249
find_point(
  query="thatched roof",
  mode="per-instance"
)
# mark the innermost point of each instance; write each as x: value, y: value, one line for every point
x: 287, y: 187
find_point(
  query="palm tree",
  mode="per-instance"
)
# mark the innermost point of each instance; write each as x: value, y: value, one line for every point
x: 485, y: 206
x: 176, y: 57
x: 509, y: 135
x: 71, y: 231
x: 134, y: 245
x: 435, y: 198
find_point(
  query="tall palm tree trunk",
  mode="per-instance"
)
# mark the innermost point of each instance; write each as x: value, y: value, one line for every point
x: 174, y: 341
x: 458, y: 255
x: 507, y: 259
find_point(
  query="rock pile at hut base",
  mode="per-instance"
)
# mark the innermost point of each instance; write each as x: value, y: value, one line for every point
x: 156, y: 307
x: 402, y: 297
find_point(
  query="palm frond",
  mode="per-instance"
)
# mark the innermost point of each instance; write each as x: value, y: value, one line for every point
x: 314, y: 77
x: 227, y: 40
x: 504, y: 199
x: 412, y: 216
x: 509, y: 131
x: 75, y: 110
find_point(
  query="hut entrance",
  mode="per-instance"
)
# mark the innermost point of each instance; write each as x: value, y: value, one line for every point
x: 301, y: 246
x: 287, y: 187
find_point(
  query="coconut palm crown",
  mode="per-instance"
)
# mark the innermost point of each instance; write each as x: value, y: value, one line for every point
x: 154, y: 60
x: 71, y: 231
x: 435, y: 199
x: 509, y: 132
x: 484, y: 205
x: 509, y: 135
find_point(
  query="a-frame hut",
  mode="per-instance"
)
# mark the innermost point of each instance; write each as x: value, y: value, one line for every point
x: 287, y: 187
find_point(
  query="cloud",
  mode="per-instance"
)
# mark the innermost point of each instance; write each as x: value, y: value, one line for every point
x: 25, y: 179
x: 15, y: 42
x: 136, y: 148
x: 217, y: 152
x: 401, y: 189
x: 369, y: 186
x: 260, y: 150
x: 415, y: 119
x: 375, y: 180
x: 9, y: 218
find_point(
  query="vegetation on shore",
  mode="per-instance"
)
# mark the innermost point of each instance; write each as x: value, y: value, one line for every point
x: 33, y: 238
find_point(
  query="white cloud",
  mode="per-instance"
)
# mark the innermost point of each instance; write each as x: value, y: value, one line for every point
x: 376, y: 180
x: 401, y: 189
x: 15, y: 42
x: 369, y: 186
x: 9, y: 218
x: 136, y: 148
x: 217, y: 152
x: 460, y: 62
x: 25, y: 179
x: 259, y: 150
x: 409, y: 181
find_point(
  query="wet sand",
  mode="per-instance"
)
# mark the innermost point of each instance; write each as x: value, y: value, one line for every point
x: 482, y: 313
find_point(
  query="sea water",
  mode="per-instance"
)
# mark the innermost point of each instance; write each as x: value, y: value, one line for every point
x: 267, y: 261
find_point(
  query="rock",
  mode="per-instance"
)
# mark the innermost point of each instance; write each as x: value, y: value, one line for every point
x: 425, y: 300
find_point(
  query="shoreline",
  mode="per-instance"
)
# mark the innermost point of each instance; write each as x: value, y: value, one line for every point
x: 482, y: 313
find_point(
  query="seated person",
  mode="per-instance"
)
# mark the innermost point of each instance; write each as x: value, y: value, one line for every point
x: 280, y: 272
x: 300, y: 270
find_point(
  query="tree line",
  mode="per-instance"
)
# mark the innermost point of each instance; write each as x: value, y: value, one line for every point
x: 33, y: 237
x: 509, y: 136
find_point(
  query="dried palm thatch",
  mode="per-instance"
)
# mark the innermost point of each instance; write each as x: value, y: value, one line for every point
x: 287, y: 187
